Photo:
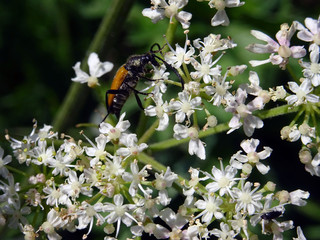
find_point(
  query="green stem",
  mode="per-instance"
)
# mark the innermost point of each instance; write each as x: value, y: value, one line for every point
x: 277, y: 111
x: 77, y: 93
x: 144, y: 138
x: 12, y: 169
x: 170, y: 33
x: 174, y: 142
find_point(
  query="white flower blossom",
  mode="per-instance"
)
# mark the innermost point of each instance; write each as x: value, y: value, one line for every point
x: 130, y: 141
x: 181, y: 55
x: 162, y: 9
x: 252, y: 156
x: 196, y: 146
x: 174, y: 221
x: 222, y: 179
x: 242, y: 113
x: 163, y: 181
x: 311, y: 70
x: 221, y: 18
x: 247, y: 200
x: 280, y: 51
x: 4, y: 161
x: 302, y: 93
x: 225, y: 232
x: 219, y: 90
x: 310, y: 33
x: 113, y: 133
x: 160, y: 110
x: 96, y: 70
x: 205, y: 69
x: 98, y: 152
x: 213, y: 43
x: 210, y: 206
x: 185, y: 106
x: 136, y: 177
x: 119, y: 212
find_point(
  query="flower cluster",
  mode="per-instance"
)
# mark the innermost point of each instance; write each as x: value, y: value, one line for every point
x: 86, y: 183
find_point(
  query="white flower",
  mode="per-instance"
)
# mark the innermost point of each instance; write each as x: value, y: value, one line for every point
x: 113, y: 168
x: 302, y: 93
x: 312, y: 69
x: 16, y: 214
x: 86, y: 214
x: 297, y: 196
x: 130, y: 142
x: 4, y: 161
x: 53, y: 221
x: 278, y: 93
x: 277, y: 228
x: 136, y: 177
x: 43, y: 154
x: 163, y: 181
x: 158, y: 80
x: 221, y: 18
x: 174, y: 221
x: 98, y: 152
x: 114, y: 133
x: 161, y: 9
x: 219, y: 90
x: 179, y: 56
x: 311, y: 33
x: 205, y: 69
x: 119, y: 212
x: 300, y: 234
x: 236, y: 105
x: 239, y: 222
x: 160, y: 110
x: 223, y: 179
x: 255, y: 89
x: 225, y: 232
x: 247, y: 200
x: 55, y: 196
x: 210, y: 206
x: 252, y: 156
x: 280, y: 51
x: 196, y: 146
x: 305, y: 132
x: 185, y: 106
x: 73, y: 186
x: 61, y: 163
x: 213, y: 43
x: 10, y: 191
x: 96, y: 70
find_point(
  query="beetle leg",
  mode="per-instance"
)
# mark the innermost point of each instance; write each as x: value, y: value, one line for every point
x: 173, y: 70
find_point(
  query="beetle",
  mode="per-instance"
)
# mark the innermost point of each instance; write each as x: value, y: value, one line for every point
x: 271, y: 215
x: 127, y: 77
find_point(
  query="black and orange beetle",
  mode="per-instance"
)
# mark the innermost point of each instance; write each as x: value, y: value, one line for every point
x: 127, y: 77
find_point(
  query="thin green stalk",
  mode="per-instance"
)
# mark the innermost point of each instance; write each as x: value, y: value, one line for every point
x: 77, y: 93
x: 170, y: 33
x: 277, y: 111
x: 174, y: 142
x: 12, y: 169
x: 144, y: 138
